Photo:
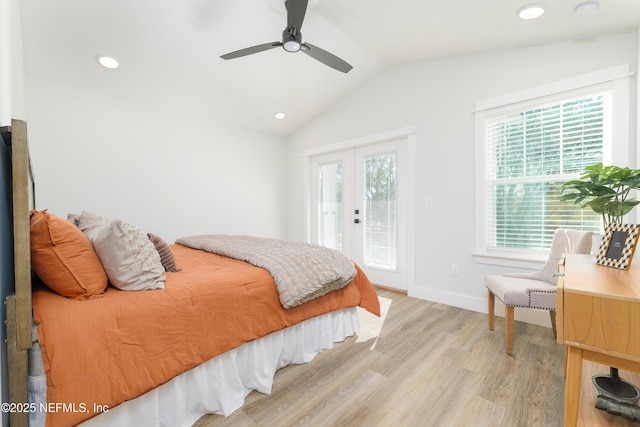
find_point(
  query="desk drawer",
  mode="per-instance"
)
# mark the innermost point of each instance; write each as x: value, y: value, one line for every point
x: 609, y: 324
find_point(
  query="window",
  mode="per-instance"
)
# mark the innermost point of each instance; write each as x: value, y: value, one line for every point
x: 381, y: 211
x: 530, y: 153
x: 330, y: 209
x: 528, y: 144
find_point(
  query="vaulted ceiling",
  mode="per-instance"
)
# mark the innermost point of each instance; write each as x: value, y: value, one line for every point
x: 170, y: 50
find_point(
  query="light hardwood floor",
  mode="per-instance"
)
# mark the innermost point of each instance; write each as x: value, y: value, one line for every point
x: 432, y: 365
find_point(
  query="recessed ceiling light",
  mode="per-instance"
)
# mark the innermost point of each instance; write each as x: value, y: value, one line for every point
x: 108, y: 62
x: 280, y: 115
x: 587, y: 9
x: 531, y: 11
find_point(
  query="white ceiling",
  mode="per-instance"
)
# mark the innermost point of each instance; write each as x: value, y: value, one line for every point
x: 170, y: 50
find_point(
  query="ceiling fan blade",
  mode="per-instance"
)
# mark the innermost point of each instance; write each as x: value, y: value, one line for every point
x: 326, y: 58
x: 296, y: 10
x: 251, y: 50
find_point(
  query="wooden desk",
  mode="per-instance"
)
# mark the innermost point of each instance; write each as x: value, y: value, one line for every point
x: 598, y: 319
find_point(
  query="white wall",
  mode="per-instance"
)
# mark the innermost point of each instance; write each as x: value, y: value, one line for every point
x: 438, y: 98
x: 11, y: 63
x: 165, y: 172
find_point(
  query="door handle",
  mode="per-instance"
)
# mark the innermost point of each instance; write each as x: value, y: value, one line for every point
x: 356, y: 221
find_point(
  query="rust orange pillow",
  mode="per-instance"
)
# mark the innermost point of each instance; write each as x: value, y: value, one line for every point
x: 64, y: 259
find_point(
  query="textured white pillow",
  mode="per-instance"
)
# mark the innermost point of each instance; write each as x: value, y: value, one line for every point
x: 126, y: 253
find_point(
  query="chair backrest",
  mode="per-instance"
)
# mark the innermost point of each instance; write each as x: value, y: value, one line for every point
x: 564, y: 242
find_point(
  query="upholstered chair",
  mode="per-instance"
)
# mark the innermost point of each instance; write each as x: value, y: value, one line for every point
x: 536, y: 289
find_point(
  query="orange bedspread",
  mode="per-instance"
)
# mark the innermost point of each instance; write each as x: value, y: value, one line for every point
x: 101, y: 352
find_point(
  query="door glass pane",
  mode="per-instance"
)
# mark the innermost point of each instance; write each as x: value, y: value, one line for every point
x: 381, y: 228
x: 330, y: 205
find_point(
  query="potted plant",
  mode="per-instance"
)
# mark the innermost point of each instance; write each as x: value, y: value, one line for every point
x: 606, y: 190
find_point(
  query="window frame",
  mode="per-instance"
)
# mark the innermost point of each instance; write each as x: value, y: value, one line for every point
x: 615, y: 80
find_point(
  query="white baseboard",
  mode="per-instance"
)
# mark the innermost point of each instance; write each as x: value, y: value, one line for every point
x: 534, y: 316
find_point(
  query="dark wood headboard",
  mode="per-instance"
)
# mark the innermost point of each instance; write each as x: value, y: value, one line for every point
x: 19, y: 316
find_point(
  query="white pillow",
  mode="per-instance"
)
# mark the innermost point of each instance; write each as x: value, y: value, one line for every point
x: 126, y: 253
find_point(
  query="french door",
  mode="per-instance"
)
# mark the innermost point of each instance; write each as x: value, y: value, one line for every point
x: 358, y: 206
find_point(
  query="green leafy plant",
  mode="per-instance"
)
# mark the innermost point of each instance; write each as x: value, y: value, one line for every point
x: 604, y: 189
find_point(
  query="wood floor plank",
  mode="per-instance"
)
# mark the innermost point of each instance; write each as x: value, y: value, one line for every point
x: 478, y: 412
x: 431, y: 365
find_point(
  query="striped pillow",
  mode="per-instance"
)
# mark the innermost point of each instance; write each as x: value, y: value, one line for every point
x: 164, y: 250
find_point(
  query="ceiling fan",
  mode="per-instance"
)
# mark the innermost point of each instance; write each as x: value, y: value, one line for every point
x: 292, y: 40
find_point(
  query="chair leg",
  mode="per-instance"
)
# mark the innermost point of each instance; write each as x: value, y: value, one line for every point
x: 492, y: 306
x: 552, y: 315
x: 508, y: 329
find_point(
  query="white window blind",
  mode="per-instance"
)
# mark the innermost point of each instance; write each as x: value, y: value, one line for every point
x: 530, y: 152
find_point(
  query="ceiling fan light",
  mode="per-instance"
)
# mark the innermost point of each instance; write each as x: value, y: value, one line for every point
x: 531, y: 11
x: 291, y: 45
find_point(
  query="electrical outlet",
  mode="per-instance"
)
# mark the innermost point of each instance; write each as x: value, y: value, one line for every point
x: 454, y: 270
x: 428, y: 204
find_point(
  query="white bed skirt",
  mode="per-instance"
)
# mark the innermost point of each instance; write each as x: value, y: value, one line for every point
x: 220, y: 385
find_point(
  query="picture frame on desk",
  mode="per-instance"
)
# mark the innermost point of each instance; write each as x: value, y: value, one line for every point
x: 618, y: 245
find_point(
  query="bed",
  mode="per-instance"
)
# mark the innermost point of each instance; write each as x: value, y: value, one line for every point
x: 216, y: 330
